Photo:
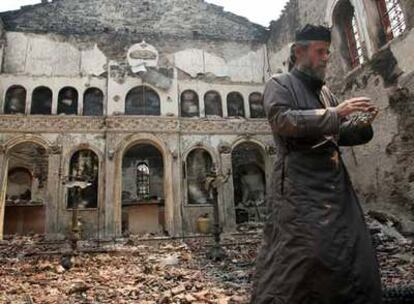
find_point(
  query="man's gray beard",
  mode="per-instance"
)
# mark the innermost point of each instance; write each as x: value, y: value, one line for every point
x: 320, y: 75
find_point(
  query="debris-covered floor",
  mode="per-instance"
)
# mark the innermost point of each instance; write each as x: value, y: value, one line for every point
x: 155, y: 271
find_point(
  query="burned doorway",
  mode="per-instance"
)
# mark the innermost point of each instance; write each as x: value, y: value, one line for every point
x: 249, y: 182
x: 25, y: 208
x: 143, y: 191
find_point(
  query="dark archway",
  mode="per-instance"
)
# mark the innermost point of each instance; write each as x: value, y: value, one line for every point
x: 212, y: 104
x: 15, y: 100
x: 189, y: 104
x: 235, y: 105
x: 68, y: 101
x: 93, y: 102
x: 42, y: 99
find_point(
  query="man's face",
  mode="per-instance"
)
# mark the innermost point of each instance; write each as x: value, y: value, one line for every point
x: 314, y: 58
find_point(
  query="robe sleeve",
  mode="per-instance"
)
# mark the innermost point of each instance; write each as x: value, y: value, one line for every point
x: 286, y: 120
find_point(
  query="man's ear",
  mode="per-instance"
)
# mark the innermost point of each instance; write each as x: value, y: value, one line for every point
x: 298, y: 51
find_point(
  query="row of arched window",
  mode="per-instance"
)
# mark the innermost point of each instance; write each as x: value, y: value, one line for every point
x: 141, y: 100
x: 190, y: 106
x: 42, y: 99
x: 388, y: 17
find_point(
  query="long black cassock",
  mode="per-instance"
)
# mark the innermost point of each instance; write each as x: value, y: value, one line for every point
x: 317, y: 248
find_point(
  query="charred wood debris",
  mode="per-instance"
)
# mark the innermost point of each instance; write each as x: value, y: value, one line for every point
x: 159, y: 270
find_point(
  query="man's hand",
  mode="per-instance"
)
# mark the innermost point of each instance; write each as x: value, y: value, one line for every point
x: 358, y: 104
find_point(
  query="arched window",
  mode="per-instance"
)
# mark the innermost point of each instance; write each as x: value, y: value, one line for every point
x: 15, y: 101
x: 256, y: 105
x: 212, y: 104
x: 83, y: 180
x: 350, y: 40
x: 93, y: 102
x: 199, y: 164
x: 235, y: 105
x: 392, y: 18
x: 189, y: 104
x: 41, y: 101
x: 143, y: 181
x: 68, y: 101
x: 142, y: 100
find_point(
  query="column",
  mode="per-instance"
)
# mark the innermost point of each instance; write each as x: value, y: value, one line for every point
x: 53, y: 187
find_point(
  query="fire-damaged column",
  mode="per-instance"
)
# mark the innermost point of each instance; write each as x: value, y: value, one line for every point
x: 227, y: 210
x: 53, y: 188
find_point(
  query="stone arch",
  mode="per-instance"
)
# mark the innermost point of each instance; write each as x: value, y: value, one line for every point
x: 170, y: 208
x: 35, y: 139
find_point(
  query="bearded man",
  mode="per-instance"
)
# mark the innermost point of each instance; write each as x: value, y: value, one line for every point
x: 317, y: 248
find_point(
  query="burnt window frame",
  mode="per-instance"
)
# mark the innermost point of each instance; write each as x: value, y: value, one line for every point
x: 387, y: 12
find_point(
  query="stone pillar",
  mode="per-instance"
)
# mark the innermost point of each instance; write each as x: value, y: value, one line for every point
x: 113, y: 176
x: 54, y: 181
x: 227, y: 209
x: 177, y: 189
x: 3, y: 187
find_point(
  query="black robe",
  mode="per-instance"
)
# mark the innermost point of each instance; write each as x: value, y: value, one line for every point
x: 317, y: 248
